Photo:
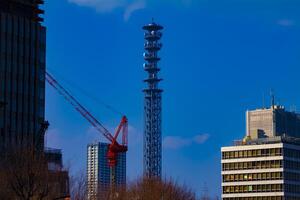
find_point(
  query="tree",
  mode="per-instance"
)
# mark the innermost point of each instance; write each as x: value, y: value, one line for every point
x: 24, y: 176
x: 78, y: 186
x: 155, y: 189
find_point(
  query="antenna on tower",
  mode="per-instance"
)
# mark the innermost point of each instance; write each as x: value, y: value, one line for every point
x: 293, y: 108
x: 263, y: 101
x: 272, y: 98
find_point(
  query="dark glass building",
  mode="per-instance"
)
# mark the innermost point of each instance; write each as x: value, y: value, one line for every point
x: 22, y: 74
x: 22, y: 87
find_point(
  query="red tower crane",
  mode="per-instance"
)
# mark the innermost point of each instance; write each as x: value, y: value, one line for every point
x: 114, y: 147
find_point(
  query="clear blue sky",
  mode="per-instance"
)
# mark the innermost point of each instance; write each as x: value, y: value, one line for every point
x: 218, y: 60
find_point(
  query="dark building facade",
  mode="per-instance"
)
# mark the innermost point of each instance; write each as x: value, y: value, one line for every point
x: 22, y: 86
x: 22, y: 74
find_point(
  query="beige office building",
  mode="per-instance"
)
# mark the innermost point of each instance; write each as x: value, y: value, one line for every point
x: 265, y: 165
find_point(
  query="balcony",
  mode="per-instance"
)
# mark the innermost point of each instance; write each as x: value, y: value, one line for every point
x: 153, y: 36
x: 153, y: 80
x: 151, y: 57
x: 152, y: 27
x: 151, y: 68
x: 153, y: 46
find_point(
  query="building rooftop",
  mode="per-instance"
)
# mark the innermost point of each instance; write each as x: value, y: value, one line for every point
x: 52, y: 150
x: 269, y: 140
x: 26, y: 8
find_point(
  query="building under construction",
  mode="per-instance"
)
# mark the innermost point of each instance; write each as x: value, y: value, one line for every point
x: 152, y: 102
x: 99, y: 173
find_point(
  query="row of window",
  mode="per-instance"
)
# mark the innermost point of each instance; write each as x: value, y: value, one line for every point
x: 26, y: 26
x: 253, y: 177
x: 258, y: 198
x: 21, y: 27
x: 252, y: 153
x: 291, y: 165
x: 262, y: 198
x: 261, y: 188
x: 261, y: 176
x: 252, y: 165
x: 291, y: 198
x: 291, y: 153
x: 22, y: 55
x: 252, y: 188
x: 292, y: 188
x: 22, y: 77
x: 291, y: 176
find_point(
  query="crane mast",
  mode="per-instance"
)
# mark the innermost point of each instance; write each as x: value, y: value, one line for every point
x: 114, y: 147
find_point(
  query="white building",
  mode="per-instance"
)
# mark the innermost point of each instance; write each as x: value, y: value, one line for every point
x: 265, y: 169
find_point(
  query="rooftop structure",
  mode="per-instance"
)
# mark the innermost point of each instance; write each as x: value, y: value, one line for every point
x: 26, y: 8
x: 271, y: 122
x: 54, y: 158
x: 152, y: 102
x: 268, y: 140
x: 58, y: 177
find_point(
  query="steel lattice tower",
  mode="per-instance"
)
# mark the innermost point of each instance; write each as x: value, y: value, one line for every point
x: 152, y: 102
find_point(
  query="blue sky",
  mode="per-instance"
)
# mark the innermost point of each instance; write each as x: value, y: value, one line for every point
x: 219, y: 59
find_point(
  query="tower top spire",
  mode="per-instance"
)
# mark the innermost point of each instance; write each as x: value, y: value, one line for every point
x: 153, y: 26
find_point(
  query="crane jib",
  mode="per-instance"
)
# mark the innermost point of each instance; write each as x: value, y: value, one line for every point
x: 83, y: 111
x: 114, y: 148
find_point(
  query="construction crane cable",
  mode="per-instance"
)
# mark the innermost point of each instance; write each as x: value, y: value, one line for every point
x: 90, y: 96
x: 85, y: 113
x: 114, y: 148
